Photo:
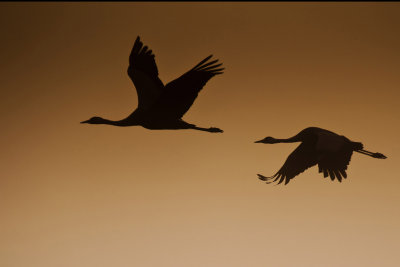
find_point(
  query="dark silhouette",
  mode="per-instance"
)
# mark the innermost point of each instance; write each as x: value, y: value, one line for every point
x: 332, y: 153
x: 162, y: 107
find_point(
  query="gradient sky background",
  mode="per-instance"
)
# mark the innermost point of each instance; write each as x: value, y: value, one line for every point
x: 89, y: 195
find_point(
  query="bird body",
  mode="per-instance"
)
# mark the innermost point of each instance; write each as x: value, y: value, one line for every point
x: 330, y: 151
x: 160, y: 106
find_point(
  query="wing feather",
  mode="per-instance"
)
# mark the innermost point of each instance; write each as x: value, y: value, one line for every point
x: 143, y: 72
x: 336, y: 163
x: 181, y: 93
x: 302, y: 158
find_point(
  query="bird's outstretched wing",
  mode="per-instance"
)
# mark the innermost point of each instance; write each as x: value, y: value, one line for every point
x: 335, y: 164
x: 302, y: 158
x: 144, y: 74
x: 180, y: 93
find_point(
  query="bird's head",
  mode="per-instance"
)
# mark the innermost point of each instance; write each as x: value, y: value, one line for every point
x: 267, y: 140
x: 94, y: 120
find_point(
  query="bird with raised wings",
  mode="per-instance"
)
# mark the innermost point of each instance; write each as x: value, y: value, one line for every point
x: 332, y: 153
x: 160, y: 106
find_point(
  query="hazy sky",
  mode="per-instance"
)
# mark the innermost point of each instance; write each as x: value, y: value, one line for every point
x: 98, y: 195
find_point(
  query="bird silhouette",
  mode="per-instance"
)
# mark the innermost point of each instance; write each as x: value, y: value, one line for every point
x: 162, y: 107
x: 332, y: 153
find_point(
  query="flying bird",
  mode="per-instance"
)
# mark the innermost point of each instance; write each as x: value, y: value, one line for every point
x: 160, y: 106
x: 332, y: 153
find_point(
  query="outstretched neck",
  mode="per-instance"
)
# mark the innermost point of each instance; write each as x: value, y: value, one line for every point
x: 288, y: 140
x: 115, y: 123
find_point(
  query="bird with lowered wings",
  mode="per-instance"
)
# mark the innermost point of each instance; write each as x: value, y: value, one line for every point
x: 330, y: 151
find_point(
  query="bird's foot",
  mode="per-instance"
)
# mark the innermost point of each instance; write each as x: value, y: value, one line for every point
x: 379, y: 156
x: 215, y: 130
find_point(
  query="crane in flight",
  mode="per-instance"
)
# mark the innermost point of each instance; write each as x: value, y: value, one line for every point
x: 332, y: 153
x: 160, y: 106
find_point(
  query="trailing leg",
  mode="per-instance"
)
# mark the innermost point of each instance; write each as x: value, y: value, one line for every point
x: 211, y: 129
x: 371, y: 154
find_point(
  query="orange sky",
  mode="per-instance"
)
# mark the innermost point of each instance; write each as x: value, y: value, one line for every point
x: 97, y: 195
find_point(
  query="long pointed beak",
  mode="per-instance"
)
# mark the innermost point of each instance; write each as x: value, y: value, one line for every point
x: 85, y: 121
x: 259, y: 141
